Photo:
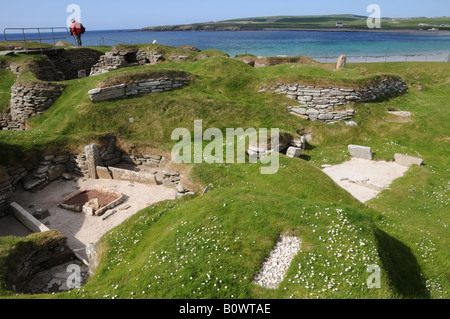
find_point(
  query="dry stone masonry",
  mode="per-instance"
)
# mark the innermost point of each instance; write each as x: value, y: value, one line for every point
x: 322, y: 103
x: 70, y: 62
x: 117, y: 59
x: 28, y: 100
x: 137, y: 88
x: 95, y: 162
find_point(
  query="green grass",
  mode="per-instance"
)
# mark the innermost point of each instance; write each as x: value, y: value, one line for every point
x: 212, y: 246
x: 7, y: 80
x: 404, y: 230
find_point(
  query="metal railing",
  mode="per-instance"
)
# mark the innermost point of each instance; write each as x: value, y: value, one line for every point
x: 40, y: 35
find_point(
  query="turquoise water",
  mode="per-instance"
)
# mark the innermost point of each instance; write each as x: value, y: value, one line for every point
x: 272, y: 43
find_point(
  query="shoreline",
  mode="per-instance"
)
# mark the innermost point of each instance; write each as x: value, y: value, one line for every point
x: 413, y: 32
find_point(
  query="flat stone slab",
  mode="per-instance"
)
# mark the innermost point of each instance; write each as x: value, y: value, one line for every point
x: 127, y: 175
x: 27, y: 219
x: 407, y: 161
x: 359, y: 151
x: 401, y: 113
x: 103, y: 173
x: 294, y: 152
x: 365, y: 179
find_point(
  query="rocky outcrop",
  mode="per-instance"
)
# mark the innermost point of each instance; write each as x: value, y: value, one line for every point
x: 136, y: 88
x: 322, y: 103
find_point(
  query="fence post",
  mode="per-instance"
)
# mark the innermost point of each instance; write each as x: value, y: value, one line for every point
x: 24, y: 39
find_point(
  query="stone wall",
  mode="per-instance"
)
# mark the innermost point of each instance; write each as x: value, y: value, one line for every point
x: 124, y: 58
x: 70, y: 62
x: 66, y: 166
x: 39, y: 252
x: 320, y: 103
x: 28, y: 100
x: 137, y: 88
x: 6, y: 192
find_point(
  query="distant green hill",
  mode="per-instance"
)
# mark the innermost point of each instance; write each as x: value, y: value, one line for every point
x: 346, y: 21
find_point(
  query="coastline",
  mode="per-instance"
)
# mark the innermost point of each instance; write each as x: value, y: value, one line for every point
x: 406, y: 31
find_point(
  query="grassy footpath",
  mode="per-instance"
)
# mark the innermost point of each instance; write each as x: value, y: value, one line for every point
x: 212, y: 246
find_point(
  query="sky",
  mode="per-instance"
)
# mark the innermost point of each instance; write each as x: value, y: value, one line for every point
x: 136, y: 14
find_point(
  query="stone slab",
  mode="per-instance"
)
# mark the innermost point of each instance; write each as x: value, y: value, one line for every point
x: 294, y: 152
x: 407, y: 161
x: 127, y: 175
x: 103, y: 173
x: 359, y: 151
x: 27, y: 219
x: 93, y: 159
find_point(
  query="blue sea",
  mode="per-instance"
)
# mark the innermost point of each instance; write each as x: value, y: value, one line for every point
x: 318, y: 44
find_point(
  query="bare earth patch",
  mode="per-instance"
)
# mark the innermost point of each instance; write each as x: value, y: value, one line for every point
x: 365, y: 179
x: 82, y: 229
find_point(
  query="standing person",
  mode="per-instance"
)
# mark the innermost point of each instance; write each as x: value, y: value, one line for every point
x: 77, y: 29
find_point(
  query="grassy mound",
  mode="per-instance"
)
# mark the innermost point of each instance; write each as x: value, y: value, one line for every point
x: 14, y: 252
x: 137, y: 76
x: 213, y: 246
x: 220, y: 240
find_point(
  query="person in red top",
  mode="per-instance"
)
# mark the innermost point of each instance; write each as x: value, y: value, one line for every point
x: 76, y: 31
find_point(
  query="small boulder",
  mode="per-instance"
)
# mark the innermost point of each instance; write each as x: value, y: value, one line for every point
x: 41, y: 213
x: 351, y: 124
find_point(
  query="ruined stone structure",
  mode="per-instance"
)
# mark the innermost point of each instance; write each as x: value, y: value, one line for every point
x: 32, y: 258
x: 70, y: 62
x: 28, y: 100
x: 67, y: 166
x: 323, y: 103
x: 118, y: 59
x: 136, y: 88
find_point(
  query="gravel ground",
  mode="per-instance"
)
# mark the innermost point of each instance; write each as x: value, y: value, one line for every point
x: 275, y: 267
x: 82, y: 229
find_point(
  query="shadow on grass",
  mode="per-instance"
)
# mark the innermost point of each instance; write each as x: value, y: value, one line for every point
x: 401, y: 266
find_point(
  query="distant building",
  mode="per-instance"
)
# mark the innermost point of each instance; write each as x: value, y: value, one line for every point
x: 339, y: 24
